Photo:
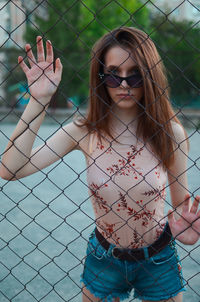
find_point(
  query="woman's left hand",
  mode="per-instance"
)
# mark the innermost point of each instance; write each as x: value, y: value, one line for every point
x: 187, y: 228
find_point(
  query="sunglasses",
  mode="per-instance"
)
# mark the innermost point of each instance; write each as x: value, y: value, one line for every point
x: 111, y: 80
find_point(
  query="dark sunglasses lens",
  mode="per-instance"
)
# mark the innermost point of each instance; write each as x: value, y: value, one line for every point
x: 135, y: 81
x: 112, y: 81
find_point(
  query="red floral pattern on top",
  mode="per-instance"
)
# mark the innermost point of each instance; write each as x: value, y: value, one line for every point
x: 137, y: 242
x: 100, y: 146
x: 160, y: 229
x: 123, y: 203
x: 114, y: 206
x: 144, y: 214
x: 125, y: 166
x: 157, y: 172
x: 107, y: 230
x: 158, y: 192
x: 100, y: 202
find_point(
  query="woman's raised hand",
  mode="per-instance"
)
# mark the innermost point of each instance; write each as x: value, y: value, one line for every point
x: 42, y: 79
x: 187, y: 228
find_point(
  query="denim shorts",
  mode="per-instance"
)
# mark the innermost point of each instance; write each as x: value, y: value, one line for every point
x: 154, y: 278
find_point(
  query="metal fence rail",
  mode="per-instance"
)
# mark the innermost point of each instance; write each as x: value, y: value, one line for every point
x: 46, y: 218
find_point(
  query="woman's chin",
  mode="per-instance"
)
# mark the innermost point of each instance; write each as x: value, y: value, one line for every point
x: 125, y: 103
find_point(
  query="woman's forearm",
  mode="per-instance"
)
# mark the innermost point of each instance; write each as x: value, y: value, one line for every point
x: 18, y: 150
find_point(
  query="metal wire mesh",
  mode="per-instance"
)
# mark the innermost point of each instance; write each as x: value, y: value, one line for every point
x: 46, y: 218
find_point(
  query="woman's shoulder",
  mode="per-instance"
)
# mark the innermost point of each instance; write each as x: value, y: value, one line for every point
x: 78, y: 133
x: 75, y: 130
x: 178, y: 131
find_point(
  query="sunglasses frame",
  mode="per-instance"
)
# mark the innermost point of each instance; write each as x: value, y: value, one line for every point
x: 102, y: 75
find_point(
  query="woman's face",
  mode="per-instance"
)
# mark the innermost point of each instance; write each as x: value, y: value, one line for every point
x: 118, y: 61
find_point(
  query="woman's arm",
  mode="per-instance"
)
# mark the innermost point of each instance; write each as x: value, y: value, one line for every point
x: 19, y: 160
x: 184, y: 220
x: 66, y: 139
x: 177, y: 173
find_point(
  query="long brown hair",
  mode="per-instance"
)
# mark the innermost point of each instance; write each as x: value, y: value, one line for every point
x: 155, y: 112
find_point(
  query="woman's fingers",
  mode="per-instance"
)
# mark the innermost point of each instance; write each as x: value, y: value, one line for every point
x: 47, y: 65
x: 49, y: 49
x: 40, y: 50
x: 195, y: 205
x: 186, y: 203
x: 58, y: 68
x: 30, y: 55
x: 23, y: 66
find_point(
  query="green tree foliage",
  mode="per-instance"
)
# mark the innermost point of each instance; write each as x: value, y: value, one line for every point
x: 74, y: 26
x: 99, y: 17
x: 178, y: 43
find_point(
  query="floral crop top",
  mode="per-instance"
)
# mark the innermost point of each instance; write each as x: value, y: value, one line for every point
x: 127, y: 188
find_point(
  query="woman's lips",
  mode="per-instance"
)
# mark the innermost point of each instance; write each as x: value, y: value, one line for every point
x: 125, y: 96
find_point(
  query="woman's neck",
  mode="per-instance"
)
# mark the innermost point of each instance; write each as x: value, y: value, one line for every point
x: 123, y: 119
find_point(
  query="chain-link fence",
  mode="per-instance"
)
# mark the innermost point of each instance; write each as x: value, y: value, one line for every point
x: 47, y: 219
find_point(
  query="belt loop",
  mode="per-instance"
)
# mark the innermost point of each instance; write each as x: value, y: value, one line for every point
x: 109, y: 251
x: 146, y: 253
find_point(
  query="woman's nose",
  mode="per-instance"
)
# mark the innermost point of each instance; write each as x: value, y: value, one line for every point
x: 124, y: 84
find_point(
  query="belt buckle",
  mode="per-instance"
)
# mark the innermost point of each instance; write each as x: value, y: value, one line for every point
x: 115, y: 248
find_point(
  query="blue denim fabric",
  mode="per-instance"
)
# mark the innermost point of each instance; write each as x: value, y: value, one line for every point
x: 154, y: 278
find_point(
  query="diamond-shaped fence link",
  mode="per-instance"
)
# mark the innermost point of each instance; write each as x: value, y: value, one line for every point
x: 92, y: 225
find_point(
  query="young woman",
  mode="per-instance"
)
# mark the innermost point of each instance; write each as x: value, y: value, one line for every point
x: 133, y: 144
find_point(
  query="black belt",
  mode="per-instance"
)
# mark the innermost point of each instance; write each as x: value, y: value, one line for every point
x: 137, y: 254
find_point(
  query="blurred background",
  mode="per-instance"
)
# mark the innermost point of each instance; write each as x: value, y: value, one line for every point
x: 74, y: 26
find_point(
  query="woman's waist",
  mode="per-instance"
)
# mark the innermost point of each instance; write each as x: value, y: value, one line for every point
x: 130, y: 234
